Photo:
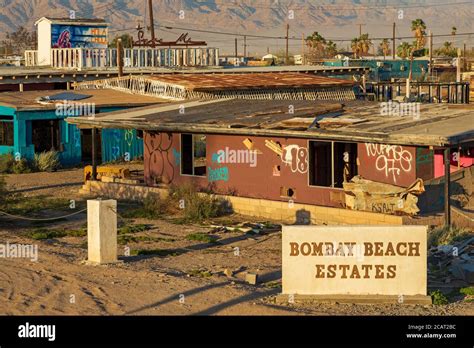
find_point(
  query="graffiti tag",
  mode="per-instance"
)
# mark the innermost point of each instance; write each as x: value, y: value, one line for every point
x: 218, y: 174
x: 296, y: 157
x: 391, y: 159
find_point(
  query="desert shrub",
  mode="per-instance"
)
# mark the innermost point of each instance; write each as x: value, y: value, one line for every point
x: 197, y: 206
x: 469, y: 291
x: 3, y: 190
x: 153, y: 208
x: 447, y: 235
x: 21, y: 166
x: 6, y: 163
x: 439, y: 298
x: 201, y: 237
x: 46, y: 161
x: 9, y: 165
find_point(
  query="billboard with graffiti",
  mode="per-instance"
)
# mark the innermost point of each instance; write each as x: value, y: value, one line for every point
x: 78, y: 36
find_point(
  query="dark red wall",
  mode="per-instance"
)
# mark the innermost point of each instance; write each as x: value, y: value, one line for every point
x: 391, y: 164
x: 394, y: 165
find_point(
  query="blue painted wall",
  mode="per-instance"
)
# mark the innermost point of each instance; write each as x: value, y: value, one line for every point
x: 116, y: 143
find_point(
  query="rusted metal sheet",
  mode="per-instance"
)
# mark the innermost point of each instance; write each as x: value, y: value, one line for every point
x: 376, y: 197
x: 207, y: 82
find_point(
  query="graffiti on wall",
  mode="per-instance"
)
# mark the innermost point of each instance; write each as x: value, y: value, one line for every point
x: 294, y: 156
x: 74, y: 36
x: 128, y: 136
x: 158, y: 149
x: 392, y: 160
x: 221, y: 173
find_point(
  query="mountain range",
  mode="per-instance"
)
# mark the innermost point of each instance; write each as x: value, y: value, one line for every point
x: 334, y: 19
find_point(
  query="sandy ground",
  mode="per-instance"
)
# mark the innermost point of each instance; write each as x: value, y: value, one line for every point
x: 59, y: 283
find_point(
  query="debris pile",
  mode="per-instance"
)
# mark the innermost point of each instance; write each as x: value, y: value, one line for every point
x: 452, y: 262
x: 248, y: 227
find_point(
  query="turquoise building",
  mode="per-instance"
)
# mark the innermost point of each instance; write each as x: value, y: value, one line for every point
x: 34, y: 121
x: 386, y: 69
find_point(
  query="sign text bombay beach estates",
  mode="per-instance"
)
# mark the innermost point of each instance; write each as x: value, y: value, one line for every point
x: 355, y: 260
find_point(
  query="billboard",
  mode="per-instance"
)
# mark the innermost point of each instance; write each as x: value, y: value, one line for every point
x: 78, y: 36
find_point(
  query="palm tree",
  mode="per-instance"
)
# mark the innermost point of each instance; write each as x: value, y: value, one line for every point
x: 385, y: 46
x: 356, y: 47
x: 453, y: 31
x: 404, y: 50
x: 317, y: 43
x: 331, y: 49
x: 418, y: 28
x: 366, y: 43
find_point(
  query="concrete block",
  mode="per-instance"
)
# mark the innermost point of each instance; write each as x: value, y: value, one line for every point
x: 102, y: 231
x: 251, y: 278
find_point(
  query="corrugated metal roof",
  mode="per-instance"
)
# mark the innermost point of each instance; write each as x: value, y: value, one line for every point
x: 208, y: 82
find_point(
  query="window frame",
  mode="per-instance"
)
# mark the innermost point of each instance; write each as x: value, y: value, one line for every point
x: 8, y: 121
x: 192, y: 153
x: 332, y: 187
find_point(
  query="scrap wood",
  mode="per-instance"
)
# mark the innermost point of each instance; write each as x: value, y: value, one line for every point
x: 274, y: 147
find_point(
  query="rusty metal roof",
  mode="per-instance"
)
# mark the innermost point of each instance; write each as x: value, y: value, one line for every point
x: 209, y: 82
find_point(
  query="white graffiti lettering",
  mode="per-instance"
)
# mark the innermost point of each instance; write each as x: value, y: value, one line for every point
x: 296, y: 157
x: 392, y: 159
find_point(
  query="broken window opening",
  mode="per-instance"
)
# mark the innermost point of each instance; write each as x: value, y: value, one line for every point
x: 46, y: 135
x: 6, y: 131
x: 193, y: 154
x: 331, y: 163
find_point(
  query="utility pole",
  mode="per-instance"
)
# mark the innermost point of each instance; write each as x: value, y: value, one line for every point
x: 302, y: 49
x: 360, y: 28
x: 236, y: 48
x: 430, y: 45
x: 393, y: 42
x: 245, y: 46
x: 464, y: 61
x: 152, y: 22
x: 287, y: 54
x: 119, y: 58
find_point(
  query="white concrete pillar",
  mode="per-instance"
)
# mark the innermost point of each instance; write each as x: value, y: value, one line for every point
x: 102, y: 231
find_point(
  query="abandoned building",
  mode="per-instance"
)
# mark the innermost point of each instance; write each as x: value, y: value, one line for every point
x: 33, y: 122
x: 327, y: 160
x: 258, y: 86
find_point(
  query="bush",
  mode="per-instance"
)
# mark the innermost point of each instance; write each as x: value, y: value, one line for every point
x: 447, y: 235
x: 197, y: 206
x: 153, y: 208
x: 6, y: 163
x: 201, y: 237
x: 46, y: 161
x: 3, y: 189
x: 21, y: 166
x: 439, y: 298
x: 9, y: 165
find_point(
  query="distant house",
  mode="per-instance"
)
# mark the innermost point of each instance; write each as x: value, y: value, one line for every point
x: 385, y: 69
x: 30, y: 123
x: 69, y: 33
